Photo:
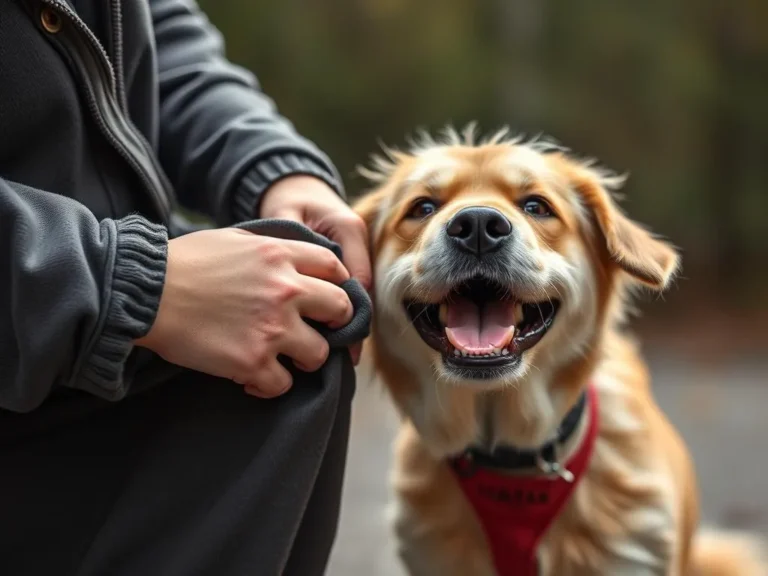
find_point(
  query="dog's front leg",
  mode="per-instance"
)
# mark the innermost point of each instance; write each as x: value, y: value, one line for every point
x: 429, y: 550
x: 423, y: 558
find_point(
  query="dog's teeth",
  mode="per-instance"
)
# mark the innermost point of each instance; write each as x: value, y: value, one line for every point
x: 456, y: 352
x: 518, y: 313
x: 463, y: 353
x: 505, y: 352
x: 442, y: 313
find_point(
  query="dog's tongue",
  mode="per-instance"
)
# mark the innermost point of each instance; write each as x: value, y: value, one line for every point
x: 478, y: 330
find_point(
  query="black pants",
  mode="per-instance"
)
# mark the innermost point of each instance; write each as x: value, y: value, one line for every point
x: 191, y: 477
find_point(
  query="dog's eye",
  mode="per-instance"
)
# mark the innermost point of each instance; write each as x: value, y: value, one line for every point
x: 537, y: 207
x: 423, y: 209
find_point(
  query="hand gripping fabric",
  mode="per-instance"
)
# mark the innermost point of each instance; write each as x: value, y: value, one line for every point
x: 359, y: 327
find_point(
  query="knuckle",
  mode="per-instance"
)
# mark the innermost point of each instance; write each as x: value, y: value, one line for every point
x: 353, y: 220
x: 273, y: 252
x: 255, y: 350
x: 272, y: 330
x: 328, y: 261
x: 286, y: 291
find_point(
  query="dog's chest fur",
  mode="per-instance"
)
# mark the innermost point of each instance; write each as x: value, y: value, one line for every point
x: 619, y: 520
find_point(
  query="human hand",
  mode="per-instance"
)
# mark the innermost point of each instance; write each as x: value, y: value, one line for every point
x: 233, y: 301
x: 312, y: 202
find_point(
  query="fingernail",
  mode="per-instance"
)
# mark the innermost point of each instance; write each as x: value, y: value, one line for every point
x: 255, y: 392
x: 335, y: 325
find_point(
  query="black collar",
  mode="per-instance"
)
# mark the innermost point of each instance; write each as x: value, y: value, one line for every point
x: 509, y: 458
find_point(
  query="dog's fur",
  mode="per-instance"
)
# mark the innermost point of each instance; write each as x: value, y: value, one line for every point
x: 635, y: 511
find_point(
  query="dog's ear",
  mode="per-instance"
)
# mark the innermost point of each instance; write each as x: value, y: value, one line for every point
x: 646, y: 258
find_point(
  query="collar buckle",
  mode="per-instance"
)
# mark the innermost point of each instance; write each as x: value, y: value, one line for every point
x: 548, y: 462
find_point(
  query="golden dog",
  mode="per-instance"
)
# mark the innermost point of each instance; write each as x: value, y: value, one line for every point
x: 531, y: 442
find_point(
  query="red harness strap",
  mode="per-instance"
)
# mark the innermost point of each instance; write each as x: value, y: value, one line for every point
x: 516, y: 511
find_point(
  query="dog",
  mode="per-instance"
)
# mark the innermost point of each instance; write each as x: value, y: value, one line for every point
x: 530, y: 441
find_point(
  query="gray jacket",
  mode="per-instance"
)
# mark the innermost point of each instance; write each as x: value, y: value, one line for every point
x: 111, y: 113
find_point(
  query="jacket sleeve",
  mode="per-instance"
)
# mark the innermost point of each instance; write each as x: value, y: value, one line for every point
x: 222, y: 141
x: 75, y: 294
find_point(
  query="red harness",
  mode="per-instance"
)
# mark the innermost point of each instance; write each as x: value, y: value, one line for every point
x: 516, y: 511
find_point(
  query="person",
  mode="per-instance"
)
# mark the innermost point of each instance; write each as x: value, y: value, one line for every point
x: 128, y: 337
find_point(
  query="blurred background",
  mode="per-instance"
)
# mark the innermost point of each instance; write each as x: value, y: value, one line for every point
x: 673, y: 92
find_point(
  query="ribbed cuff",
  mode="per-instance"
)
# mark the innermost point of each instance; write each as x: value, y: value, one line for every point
x: 132, y: 300
x: 268, y: 171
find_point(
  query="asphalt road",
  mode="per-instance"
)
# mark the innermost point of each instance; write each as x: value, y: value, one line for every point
x: 720, y: 411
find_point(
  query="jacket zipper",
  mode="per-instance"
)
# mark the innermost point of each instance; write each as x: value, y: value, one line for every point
x: 116, y: 16
x: 102, y: 96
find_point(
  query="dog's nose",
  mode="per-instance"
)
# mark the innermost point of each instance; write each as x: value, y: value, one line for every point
x: 479, y: 230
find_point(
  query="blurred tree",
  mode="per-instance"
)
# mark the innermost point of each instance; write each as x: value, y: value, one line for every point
x: 672, y: 92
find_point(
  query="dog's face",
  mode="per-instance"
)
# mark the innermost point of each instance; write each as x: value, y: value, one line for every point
x: 495, y: 260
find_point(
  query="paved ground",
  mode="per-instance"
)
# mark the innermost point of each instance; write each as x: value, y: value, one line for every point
x: 720, y: 411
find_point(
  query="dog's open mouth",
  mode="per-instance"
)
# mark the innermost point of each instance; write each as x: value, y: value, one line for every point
x: 482, y: 325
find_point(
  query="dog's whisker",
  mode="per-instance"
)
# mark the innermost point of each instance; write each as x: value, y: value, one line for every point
x: 410, y: 324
